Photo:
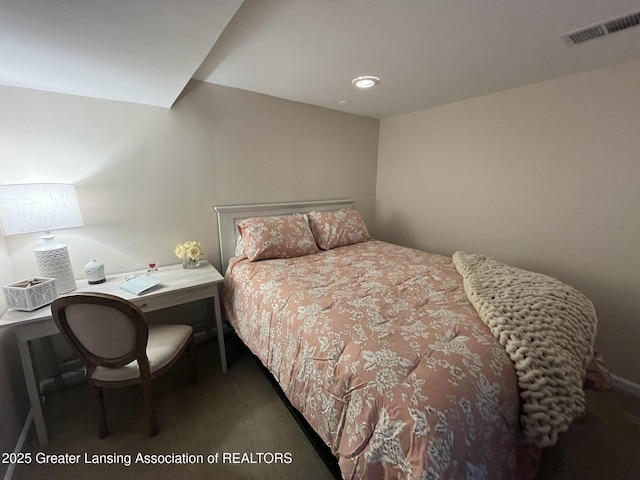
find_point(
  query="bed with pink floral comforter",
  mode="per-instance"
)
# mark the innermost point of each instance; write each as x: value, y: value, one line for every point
x: 380, y: 350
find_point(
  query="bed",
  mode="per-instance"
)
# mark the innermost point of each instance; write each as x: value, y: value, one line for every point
x: 399, y: 359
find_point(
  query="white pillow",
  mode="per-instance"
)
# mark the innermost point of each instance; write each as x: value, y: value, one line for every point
x: 239, y: 246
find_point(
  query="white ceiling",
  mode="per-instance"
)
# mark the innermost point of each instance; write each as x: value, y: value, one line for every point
x: 140, y: 51
x: 426, y: 52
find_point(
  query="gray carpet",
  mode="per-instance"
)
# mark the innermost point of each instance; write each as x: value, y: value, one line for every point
x: 240, y: 413
x: 604, y: 443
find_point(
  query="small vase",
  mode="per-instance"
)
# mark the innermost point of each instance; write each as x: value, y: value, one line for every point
x: 94, y: 270
x: 190, y: 263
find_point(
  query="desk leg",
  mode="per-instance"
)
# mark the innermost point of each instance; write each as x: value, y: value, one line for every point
x: 34, y: 392
x: 223, y: 353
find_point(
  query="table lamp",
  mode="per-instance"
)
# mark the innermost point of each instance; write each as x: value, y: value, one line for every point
x: 42, y: 207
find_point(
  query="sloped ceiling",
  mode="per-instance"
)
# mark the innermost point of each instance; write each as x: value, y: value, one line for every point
x: 140, y: 51
x: 426, y: 52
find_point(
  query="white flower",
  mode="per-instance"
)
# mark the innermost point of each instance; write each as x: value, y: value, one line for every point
x: 421, y: 426
x: 190, y: 249
x: 386, y: 380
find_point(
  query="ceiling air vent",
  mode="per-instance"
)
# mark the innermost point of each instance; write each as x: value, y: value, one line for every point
x: 623, y: 23
x: 603, y: 28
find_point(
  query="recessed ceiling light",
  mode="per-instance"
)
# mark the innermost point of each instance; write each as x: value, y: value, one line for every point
x: 365, y: 82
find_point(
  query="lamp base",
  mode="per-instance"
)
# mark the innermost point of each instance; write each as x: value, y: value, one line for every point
x: 56, y: 263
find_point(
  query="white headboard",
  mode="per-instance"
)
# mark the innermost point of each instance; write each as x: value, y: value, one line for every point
x: 230, y: 215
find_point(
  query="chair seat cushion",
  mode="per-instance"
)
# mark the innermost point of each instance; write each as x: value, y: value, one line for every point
x: 165, y: 342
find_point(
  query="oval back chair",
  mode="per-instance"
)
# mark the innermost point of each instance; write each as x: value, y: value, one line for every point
x: 118, y: 348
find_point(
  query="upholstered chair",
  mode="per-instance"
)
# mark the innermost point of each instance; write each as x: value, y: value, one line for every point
x: 118, y: 348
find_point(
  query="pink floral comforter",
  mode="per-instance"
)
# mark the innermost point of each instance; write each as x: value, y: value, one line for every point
x: 379, y: 348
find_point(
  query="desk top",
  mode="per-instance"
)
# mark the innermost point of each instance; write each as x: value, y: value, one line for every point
x: 173, y: 279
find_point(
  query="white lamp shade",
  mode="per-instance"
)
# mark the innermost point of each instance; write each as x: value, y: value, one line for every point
x: 42, y: 207
x: 38, y: 207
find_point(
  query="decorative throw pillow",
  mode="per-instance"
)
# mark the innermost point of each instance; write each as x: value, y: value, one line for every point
x: 285, y: 236
x: 335, y: 228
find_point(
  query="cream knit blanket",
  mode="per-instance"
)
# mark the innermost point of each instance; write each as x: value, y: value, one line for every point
x: 546, y: 327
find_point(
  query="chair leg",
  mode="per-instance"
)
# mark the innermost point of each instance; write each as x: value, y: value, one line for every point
x: 191, y: 351
x: 150, y: 406
x: 98, y: 400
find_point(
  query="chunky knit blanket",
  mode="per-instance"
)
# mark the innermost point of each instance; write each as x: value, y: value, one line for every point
x: 546, y: 327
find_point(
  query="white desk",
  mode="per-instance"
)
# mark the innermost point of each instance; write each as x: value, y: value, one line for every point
x: 178, y: 286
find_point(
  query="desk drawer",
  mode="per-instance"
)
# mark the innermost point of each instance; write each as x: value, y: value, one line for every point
x: 149, y: 303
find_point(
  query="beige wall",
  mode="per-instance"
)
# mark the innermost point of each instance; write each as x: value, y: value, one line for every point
x: 148, y: 178
x: 13, y: 399
x: 545, y: 177
x: 6, y: 270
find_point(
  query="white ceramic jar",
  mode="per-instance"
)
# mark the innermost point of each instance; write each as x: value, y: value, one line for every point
x: 94, y: 270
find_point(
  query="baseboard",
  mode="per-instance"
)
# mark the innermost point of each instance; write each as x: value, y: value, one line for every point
x: 626, y: 385
x: 62, y: 381
x: 22, y: 439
